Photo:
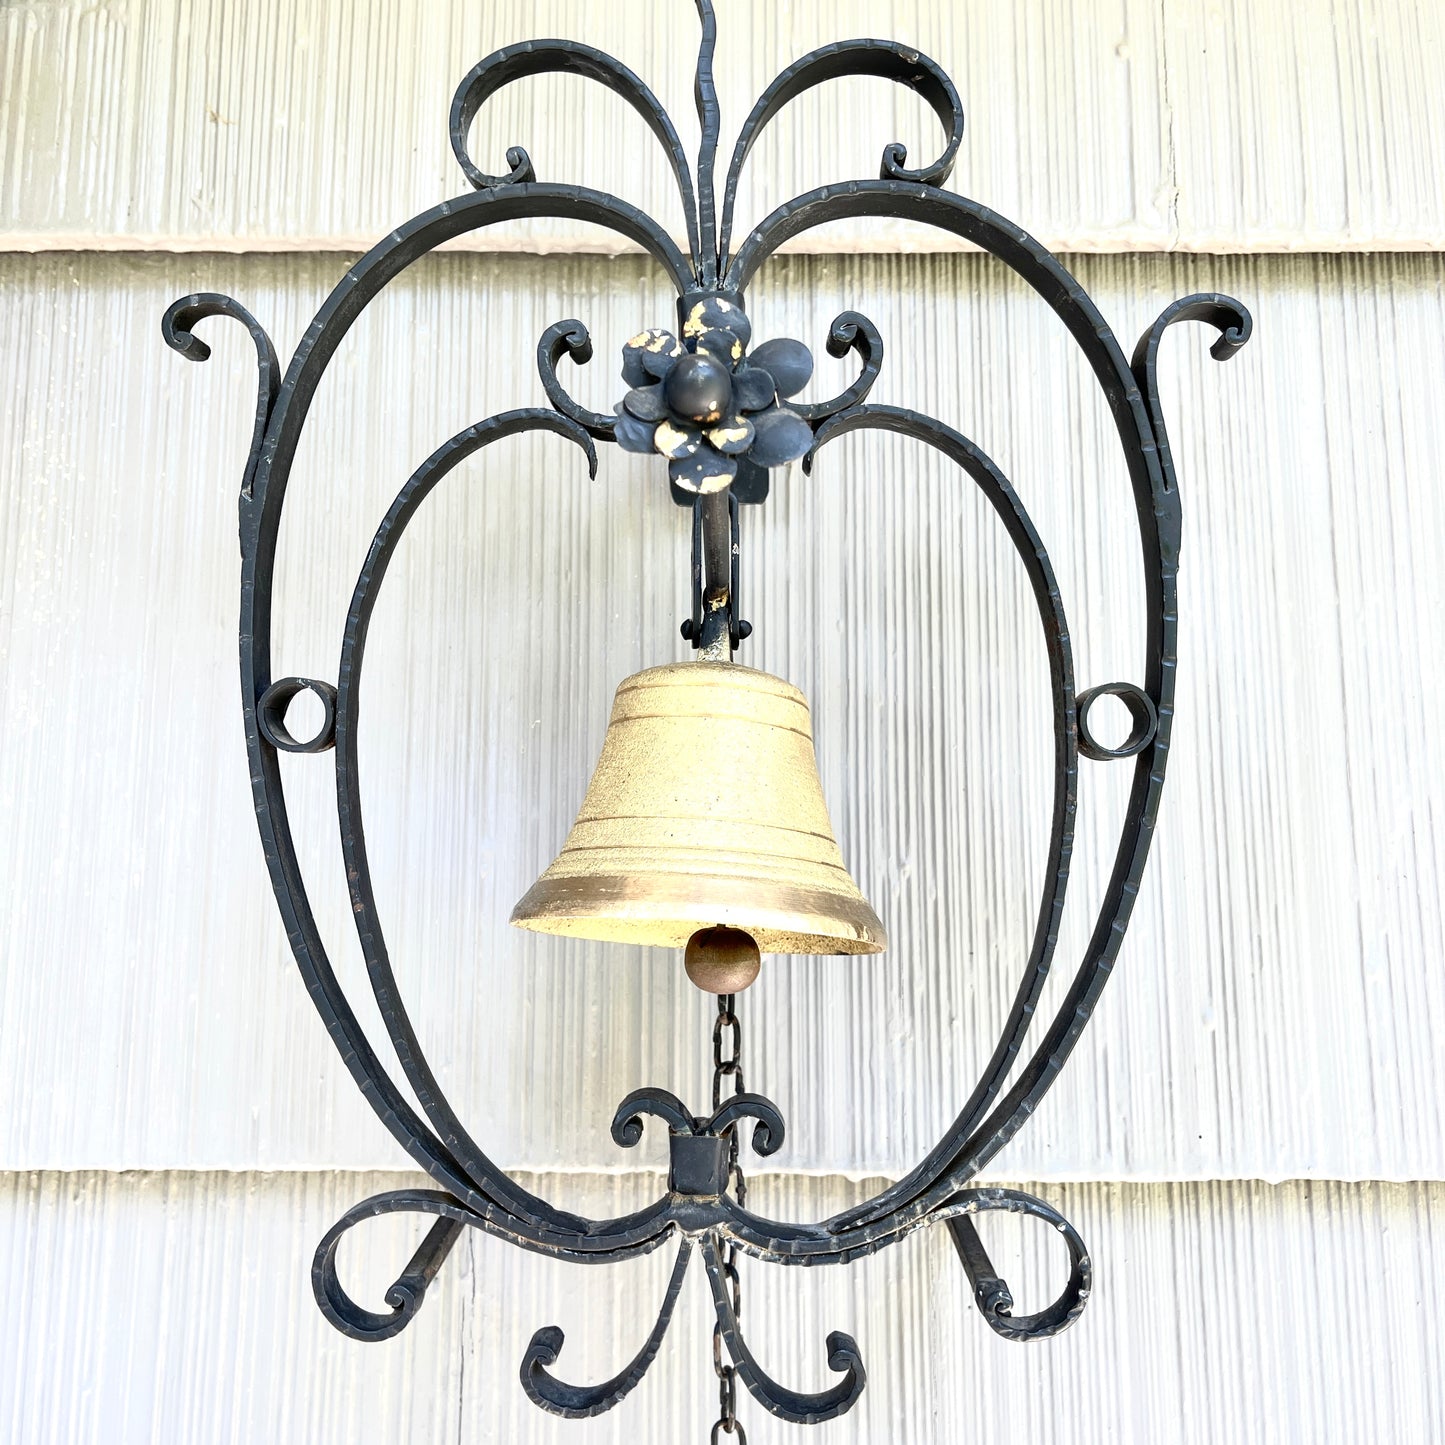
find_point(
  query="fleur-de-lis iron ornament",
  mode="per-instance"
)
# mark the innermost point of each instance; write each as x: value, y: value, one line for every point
x: 722, y: 415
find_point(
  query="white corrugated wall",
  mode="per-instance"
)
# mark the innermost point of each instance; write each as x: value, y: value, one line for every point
x: 1251, y: 1137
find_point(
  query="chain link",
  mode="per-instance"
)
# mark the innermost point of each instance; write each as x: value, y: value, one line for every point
x: 727, y: 1034
x: 731, y: 1065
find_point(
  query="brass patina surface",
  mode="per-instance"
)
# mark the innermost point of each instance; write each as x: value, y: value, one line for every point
x: 705, y: 810
x: 722, y: 960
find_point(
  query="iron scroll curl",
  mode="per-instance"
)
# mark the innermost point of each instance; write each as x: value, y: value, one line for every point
x: 563, y: 57
x: 885, y: 59
x: 850, y: 331
x: 577, y: 1402
x: 177, y: 327
x: 473, y: 1192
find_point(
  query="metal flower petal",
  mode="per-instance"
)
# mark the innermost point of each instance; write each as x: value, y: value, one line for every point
x: 649, y: 356
x: 781, y: 436
x: 707, y: 471
x: 646, y: 403
x: 753, y: 388
x: 721, y: 344
x: 731, y: 437
x: 788, y: 362
x: 633, y: 435
x: 713, y: 314
x: 675, y: 441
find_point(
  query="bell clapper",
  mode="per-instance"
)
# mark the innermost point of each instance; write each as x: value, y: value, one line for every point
x: 722, y: 960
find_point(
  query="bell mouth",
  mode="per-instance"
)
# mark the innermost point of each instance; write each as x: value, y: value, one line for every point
x: 665, y: 912
x: 705, y: 810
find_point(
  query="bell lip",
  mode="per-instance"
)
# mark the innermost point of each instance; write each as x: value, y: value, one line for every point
x: 781, y: 918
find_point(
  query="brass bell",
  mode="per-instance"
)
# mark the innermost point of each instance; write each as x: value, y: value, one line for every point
x: 705, y: 811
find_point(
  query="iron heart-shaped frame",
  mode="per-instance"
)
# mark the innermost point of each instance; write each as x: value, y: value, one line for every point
x: 698, y: 1210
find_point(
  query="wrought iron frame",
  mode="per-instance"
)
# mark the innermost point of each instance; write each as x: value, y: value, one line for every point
x: 697, y: 1210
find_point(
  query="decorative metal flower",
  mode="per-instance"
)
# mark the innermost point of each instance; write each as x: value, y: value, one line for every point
x: 702, y: 402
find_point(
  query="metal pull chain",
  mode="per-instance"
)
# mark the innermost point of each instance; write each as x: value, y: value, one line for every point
x: 729, y: 1066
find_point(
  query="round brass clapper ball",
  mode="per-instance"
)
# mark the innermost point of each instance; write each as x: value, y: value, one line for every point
x: 722, y: 960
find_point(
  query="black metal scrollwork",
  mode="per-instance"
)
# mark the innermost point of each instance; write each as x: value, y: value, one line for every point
x: 572, y: 339
x: 486, y: 1177
x: 406, y: 1294
x: 176, y: 327
x: 1034, y: 557
x: 768, y: 1127
x: 1226, y: 315
x: 991, y: 1293
x: 884, y: 58
x: 698, y: 1209
x: 566, y: 57
x: 1143, y: 720
x: 787, y: 1404
x: 577, y: 1402
x: 271, y: 715
x: 852, y: 331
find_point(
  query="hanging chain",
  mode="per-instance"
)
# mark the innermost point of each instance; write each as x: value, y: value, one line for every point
x: 727, y: 1031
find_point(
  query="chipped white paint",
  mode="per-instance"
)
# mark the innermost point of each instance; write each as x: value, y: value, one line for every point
x: 162, y: 1308
x: 1102, y: 126
x: 1281, y: 972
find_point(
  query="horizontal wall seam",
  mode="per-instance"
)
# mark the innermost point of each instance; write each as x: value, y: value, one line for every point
x: 754, y: 1174
x: 23, y: 245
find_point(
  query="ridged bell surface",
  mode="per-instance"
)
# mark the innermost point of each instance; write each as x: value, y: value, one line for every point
x: 705, y: 811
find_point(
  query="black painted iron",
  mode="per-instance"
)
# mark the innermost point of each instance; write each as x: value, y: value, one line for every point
x: 704, y: 1205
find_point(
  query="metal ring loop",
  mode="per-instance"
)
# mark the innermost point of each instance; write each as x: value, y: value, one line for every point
x: 271, y: 715
x: 1142, y: 713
